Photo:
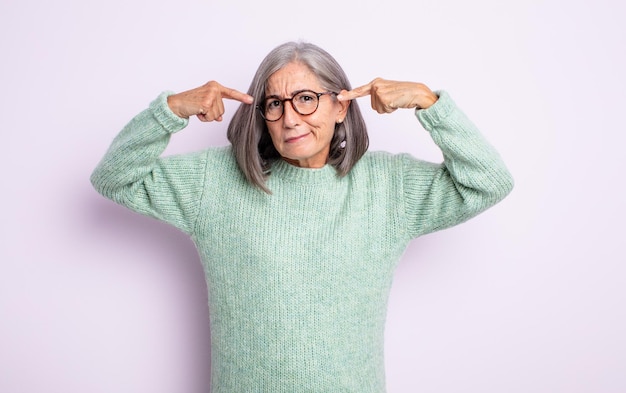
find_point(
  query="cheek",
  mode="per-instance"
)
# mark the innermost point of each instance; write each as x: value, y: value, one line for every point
x: 325, y: 128
x: 274, y: 133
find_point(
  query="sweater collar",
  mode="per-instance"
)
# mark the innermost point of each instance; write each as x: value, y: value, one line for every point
x: 291, y: 173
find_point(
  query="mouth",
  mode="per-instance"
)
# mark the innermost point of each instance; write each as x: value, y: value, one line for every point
x: 297, y: 138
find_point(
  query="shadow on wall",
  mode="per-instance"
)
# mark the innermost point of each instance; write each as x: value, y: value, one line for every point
x: 168, y: 252
x: 116, y: 224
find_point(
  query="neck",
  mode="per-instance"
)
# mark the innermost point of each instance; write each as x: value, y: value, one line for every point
x: 306, y: 163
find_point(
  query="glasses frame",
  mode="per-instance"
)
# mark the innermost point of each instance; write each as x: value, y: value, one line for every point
x: 261, y: 108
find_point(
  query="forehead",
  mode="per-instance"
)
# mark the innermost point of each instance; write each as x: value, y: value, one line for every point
x: 290, y: 78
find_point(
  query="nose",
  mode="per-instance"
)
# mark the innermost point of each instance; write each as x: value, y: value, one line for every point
x: 291, y: 118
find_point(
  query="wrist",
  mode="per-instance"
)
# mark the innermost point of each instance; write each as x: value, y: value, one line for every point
x: 172, y: 103
x: 164, y: 114
x: 427, y: 100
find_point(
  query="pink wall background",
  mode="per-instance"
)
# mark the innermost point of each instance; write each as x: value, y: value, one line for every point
x: 528, y: 297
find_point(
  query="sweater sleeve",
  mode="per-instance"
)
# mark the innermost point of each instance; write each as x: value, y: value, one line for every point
x: 132, y: 174
x: 471, y: 179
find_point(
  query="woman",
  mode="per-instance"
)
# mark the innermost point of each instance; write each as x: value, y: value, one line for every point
x: 298, y: 228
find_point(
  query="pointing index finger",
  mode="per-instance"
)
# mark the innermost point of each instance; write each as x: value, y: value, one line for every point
x: 233, y: 94
x: 361, y: 91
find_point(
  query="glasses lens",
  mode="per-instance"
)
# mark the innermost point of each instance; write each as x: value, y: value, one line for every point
x: 305, y: 102
x: 273, y: 109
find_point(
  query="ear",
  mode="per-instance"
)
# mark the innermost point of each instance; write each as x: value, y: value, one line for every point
x: 343, y: 111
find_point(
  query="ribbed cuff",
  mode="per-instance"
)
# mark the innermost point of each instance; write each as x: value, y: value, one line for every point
x: 164, y: 115
x: 437, y: 112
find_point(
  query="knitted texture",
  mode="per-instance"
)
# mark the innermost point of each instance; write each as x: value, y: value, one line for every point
x: 299, y: 279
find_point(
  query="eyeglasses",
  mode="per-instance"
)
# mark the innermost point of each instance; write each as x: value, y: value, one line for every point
x: 304, y: 102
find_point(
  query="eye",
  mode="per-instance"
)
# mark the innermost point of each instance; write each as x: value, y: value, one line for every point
x: 272, y: 104
x: 306, y: 98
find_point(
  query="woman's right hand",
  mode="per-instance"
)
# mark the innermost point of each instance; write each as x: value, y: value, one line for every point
x: 205, y: 101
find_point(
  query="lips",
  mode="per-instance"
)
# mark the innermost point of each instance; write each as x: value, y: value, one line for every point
x: 297, y: 138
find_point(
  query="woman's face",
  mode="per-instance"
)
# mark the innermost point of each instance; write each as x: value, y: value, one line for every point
x: 303, y: 140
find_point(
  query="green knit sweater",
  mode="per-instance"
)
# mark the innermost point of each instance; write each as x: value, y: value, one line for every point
x: 298, y: 279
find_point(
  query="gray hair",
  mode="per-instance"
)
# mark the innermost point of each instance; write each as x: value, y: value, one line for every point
x: 248, y: 133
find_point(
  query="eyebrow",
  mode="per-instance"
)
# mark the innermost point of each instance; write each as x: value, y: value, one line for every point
x: 292, y: 94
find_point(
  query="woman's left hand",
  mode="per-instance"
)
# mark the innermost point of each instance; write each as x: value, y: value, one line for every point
x: 387, y: 96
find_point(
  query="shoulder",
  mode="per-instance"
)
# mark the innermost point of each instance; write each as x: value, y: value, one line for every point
x: 218, y: 155
x: 378, y: 169
x: 388, y: 170
x: 222, y: 169
x: 210, y: 160
x: 375, y: 159
x: 381, y: 161
x: 221, y: 162
x: 222, y: 155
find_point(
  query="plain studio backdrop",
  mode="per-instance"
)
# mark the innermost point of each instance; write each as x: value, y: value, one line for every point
x: 527, y: 297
